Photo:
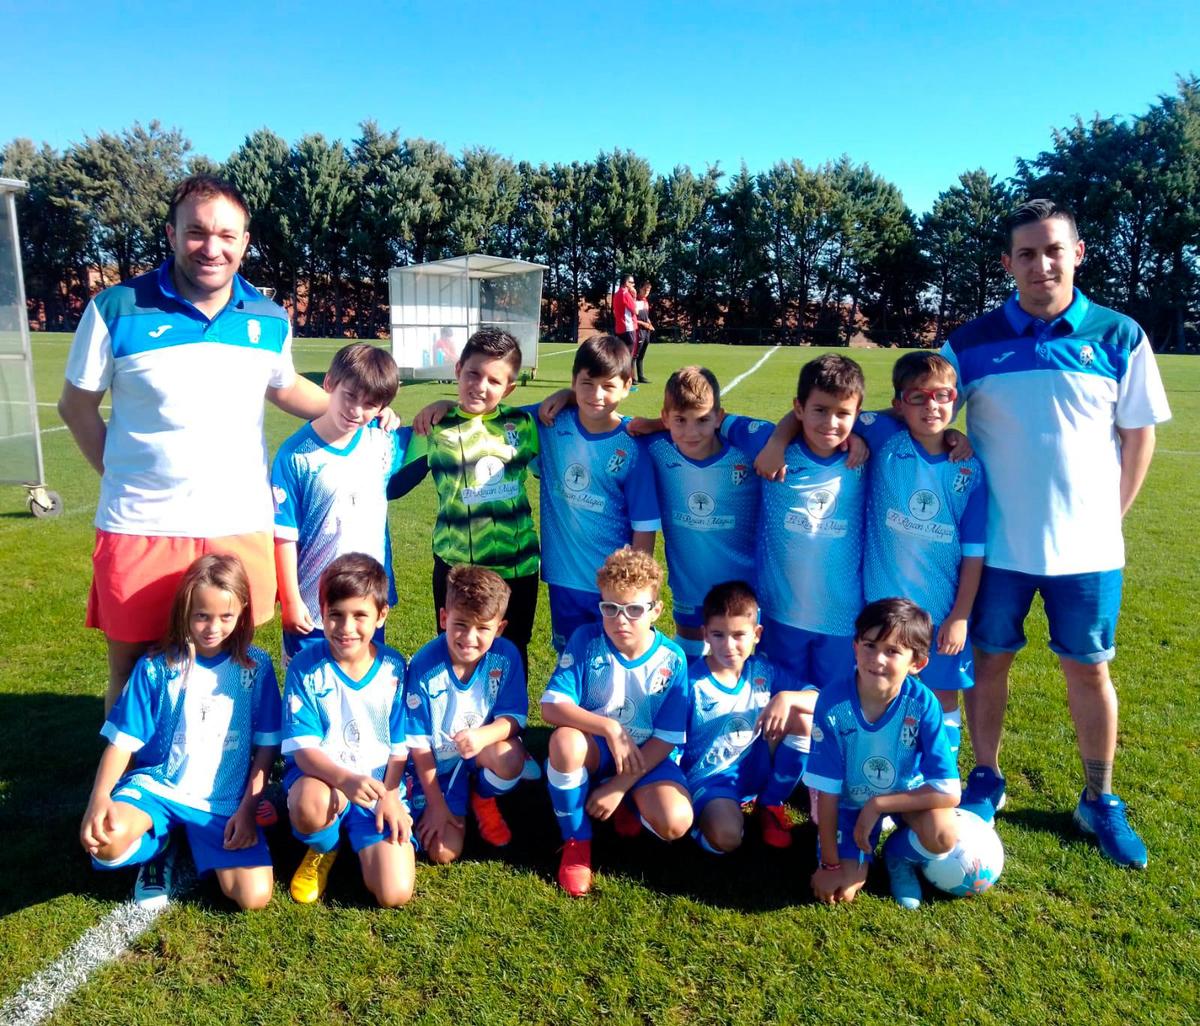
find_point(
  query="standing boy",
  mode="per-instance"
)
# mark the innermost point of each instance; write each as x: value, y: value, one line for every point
x: 344, y: 740
x: 597, y: 491
x: 330, y: 484
x: 738, y: 749
x: 479, y: 454
x: 926, y: 521
x: 879, y: 749
x: 466, y: 705
x: 709, y: 496
x: 619, y: 702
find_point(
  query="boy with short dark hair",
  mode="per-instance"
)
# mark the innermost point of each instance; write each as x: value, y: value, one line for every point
x: 478, y: 453
x: 344, y: 740
x: 739, y: 748
x: 466, y: 705
x: 330, y: 481
x: 597, y: 492
x: 619, y: 702
x: 926, y: 520
x: 709, y: 497
x: 879, y: 749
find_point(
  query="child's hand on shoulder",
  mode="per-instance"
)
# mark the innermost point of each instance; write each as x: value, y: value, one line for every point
x: 553, y: 405
x: 393, y: 818
x: 240, y: 829
x: 362, y: 789
x: 97, y: 824
x: 858, y: 450
x: 959, y: 445
x: 636, y: 426
x: 390, y: 420
x: 771, y: 462
x: 430, y: 415
x: 604, y: 800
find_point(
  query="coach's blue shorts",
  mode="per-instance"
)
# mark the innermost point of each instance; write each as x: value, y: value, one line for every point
x: 205, y: 833
x: 688, y: 616
x: 949, y: 672
x: 742, y: 782
x: 808, y: 656
x: 570, y: 608
x: 847, y: 850
x: 667, y: 770
x: 1082, y: 610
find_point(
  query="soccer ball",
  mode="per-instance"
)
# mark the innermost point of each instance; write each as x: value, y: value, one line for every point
x: 975, y: 862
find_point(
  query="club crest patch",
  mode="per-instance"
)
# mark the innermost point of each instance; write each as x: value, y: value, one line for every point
x: 617, y: 461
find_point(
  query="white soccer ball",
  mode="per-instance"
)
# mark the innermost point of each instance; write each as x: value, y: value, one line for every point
x: 974, y: 864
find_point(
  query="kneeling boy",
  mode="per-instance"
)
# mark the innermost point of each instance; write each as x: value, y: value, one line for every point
x: 344, y: 740
x: 619, y: 701
x: 466, y: 703
x: 738, y: 748
x: 880, y: 749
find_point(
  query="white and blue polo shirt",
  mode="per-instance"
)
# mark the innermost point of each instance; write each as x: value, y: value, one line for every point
x: 1044, y: 401
x: 184, y: 454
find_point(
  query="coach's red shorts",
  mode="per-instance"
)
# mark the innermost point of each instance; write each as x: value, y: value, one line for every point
x: 134, y: 578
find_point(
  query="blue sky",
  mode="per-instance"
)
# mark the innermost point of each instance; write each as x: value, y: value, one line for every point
x: 920, y: 91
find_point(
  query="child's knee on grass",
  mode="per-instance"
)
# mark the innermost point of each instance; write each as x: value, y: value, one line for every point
x: 313, y: 805
x: 723, y: 824
x: 389, y: 872
x: 568, y: 749
x: 249, y: 888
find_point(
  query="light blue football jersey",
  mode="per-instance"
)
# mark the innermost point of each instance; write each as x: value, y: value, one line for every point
x: 904, y: 749
x: 709, y: 519
x: 194, y: 744
x: 809, y: 562
x: 647, y: 696
x: 595, y: 491
x: 331, y: 501
x: 720, y: 730
x: 924, y: 514
x: 439, y: 705
x: 358, y: 724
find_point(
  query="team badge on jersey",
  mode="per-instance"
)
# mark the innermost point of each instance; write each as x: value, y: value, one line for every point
x: 700, y: 504
x: 759, y: 683
x: 820, y: 503
x: 617, y: 461
x: 908, y: 732
x: 488, y: 470
x: 280, y: 497
x: 510, y: 434
x: 576, y: 477
x: 254, y: 331
x: 739, y: 473
x: 659, y: 684
x: 867, y: 417
x: 567, y: 661
x: 880, y: 772
x: 1087, y: 355
x: 247, y: 678
x: 351, y: 734
x: 923, y: 504
x: 962, y: 479
x: 493, y: 684
x: 413, y: 701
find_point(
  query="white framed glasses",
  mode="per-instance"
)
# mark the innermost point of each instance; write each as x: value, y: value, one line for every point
x: 632, y: 610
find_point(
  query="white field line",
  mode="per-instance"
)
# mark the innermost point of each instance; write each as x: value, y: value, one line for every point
x: 557, y: 352
x: 745, y: 374
x: 1176, y: 452
x: 45, y: 991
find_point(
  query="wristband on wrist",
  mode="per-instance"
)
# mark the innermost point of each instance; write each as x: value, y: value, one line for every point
x: 833, y: 866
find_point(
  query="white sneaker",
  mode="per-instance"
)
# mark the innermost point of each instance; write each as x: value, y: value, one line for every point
x: 155, y: 881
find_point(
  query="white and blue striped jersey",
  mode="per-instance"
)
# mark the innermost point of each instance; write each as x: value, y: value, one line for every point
x: 331, y: 501
x: 439, y: 705
x: 358, y: 724
x: 1044, y: 402
x: 193, y: 736
x: 809, y: 562
x: 720, y: 730
x: 709, y: 518
x: 647, y: 696
x: 184, y: 454
x: 595, y: 491
x: 906, y: 748
x: 924, y: 514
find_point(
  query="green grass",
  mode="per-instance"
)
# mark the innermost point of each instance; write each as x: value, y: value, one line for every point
x: 668, y: 936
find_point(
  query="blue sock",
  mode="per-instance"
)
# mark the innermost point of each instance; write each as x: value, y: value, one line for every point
x: 568, y: 795
x: 323, y: 840
x: 903, y: 844
x: 693, y: 648
x: 489, y: 784
x: 952, y: 721
x: 787, y: 767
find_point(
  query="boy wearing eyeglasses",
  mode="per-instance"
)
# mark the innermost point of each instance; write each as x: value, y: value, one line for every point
x: 926, y: 520
x: 618, y: 699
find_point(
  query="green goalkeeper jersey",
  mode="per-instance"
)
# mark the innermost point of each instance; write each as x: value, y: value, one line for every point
x: 479, y: 465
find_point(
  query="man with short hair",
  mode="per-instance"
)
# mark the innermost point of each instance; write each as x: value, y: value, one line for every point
x: 1052, y: 365
x: 188, y: 352
x: 625, y: 320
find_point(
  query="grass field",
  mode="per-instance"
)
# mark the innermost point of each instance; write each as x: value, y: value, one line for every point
x: 669, y: 935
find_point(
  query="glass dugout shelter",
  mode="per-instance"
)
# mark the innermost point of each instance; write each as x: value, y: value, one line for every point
x: 20, y: 437
x: 437, y: 306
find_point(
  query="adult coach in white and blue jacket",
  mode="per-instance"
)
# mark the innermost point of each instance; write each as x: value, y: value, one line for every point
x: 188, y: 352
x: 1062, y: 397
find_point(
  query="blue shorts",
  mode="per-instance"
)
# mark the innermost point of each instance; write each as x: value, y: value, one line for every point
x: 294, y: 644
x: 570, y: 609
x: 205, y: 833
x: 455, y: 788
x: 357, y: 822
x: 949, y: 672
x: 667, y: 770
x: 808, y: 656
x: 1082, y: 610
x: 847, y: 850
x: 742, y: 782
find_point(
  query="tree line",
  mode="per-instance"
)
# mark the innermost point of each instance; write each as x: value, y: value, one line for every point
x: 791, y: 254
